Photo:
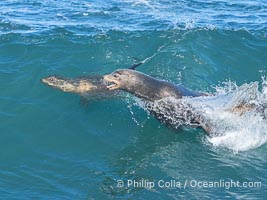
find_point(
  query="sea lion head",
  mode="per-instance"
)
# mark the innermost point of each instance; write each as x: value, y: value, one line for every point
x: 68, y: 85
x: 122, y: 79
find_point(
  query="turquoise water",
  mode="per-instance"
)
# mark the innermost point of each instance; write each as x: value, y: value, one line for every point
x: 52, y: 147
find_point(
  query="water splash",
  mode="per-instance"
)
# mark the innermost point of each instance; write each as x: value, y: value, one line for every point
x: 235, y: 117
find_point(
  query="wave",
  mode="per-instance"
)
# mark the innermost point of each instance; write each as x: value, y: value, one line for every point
x: 132, y: 15
x: 235, y: 117
x: 238, y: 118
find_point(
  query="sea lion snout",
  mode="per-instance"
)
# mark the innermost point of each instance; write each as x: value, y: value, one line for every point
x: 111, y: 81
x: 50, y: 80
x: 46, y: 80
x: 42, y: 80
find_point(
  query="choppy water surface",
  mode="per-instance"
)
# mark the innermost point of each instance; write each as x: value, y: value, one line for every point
x: 53, y: 147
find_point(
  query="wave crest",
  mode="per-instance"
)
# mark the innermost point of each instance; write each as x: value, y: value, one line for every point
x: 235, y: 116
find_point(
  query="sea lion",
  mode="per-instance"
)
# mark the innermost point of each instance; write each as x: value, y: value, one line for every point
x: 153, y: 90
x: 88, y: 87
x: 77, y: 85
x: 171, y: 104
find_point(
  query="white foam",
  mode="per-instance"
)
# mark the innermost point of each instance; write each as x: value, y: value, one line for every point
x: 237, y: 131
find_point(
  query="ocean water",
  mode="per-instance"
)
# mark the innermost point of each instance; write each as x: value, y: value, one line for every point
x: 53, y: 147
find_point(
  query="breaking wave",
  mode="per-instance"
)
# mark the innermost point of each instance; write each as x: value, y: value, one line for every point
x: 237, y: 118
x: 234, y: 117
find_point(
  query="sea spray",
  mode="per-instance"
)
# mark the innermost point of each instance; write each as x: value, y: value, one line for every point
x: 239, y: 131
x: 234, y: 117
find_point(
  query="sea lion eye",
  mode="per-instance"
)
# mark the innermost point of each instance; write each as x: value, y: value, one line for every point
x: 116, y: 75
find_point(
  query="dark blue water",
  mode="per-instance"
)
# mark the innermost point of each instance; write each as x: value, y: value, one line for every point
x: 52, y: 147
